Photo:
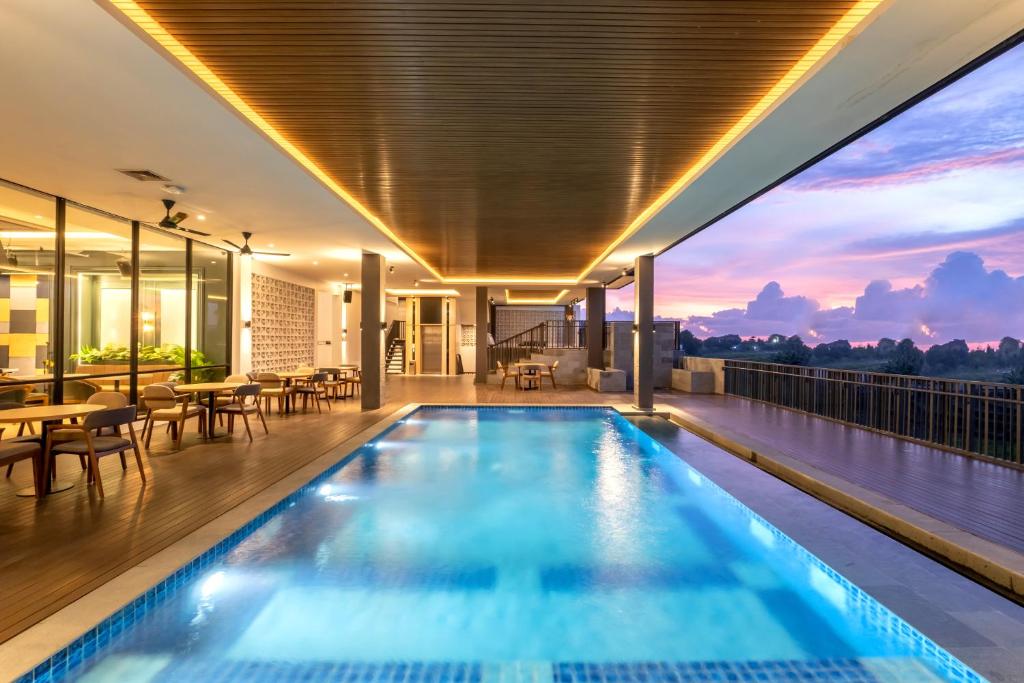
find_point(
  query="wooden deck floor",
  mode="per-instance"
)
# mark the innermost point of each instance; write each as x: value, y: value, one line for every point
x: 55, y: 550
x: 976, y: 496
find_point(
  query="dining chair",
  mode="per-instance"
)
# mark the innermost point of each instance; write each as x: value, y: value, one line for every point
x: 95, y: 447
x: 550, y: 374
x: 507, y: 373
x: 16, y: 451
x: 10, y: 405
x: 315, y: 388
x: 272, y: 386
x: 163, y: 406
x: 244, y: 402
x: 79, y: 390
x: 354, y: 382
x: 107, y: 399
x: 334, y: 382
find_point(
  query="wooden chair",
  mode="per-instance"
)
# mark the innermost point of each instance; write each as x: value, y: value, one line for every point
x: 10, y: 405
x: 95, y: 447
x: 246, y: 400
x: 79, y: 390
x: 107, y: 399
x: 16, y: 451
x: 550, y: 374
x: 353, y: 382
x: 506, y: 373
x: 163, y: 406
x: 272, y: 386
x: 335, y: 384
x: 315, y: 387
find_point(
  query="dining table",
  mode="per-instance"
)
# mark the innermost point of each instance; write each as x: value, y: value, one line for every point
x: 211, y: 389
x: 529, y: 374
x: 47, y: 415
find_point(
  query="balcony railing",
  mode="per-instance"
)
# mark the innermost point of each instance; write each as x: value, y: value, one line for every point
x: 976, y: 418
x: 552, y: 334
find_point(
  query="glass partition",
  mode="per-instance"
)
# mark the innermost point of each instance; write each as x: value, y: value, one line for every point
x: 90, y: 342
x: 27, y: 239
x: 210, y: 314
x: 97, y: 303
x: 163, y: 324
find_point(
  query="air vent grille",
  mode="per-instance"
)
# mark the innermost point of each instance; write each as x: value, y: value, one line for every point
x: 144, y: 175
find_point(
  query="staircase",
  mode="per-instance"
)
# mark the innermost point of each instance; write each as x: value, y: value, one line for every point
x: 394, y: 360
x: 394, y: 355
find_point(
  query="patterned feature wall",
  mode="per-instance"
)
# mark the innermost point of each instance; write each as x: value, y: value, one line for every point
x: 24, y: 322
x: 282, y: 325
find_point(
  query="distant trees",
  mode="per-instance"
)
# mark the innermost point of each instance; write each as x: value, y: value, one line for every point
x: 724, y: 343
x: 1002, y: 362
x: 793, y: 351
x: 941, y: 358
x: 832, y: 351
x: 689, y: 343
x: 906, y: 359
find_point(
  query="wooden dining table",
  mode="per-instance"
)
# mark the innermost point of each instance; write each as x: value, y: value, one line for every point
x: 289, y: 378
x: 211, y: 389
x: 530, y: 371
x: 47, y: 415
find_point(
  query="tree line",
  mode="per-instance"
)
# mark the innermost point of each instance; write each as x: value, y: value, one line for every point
x: 1004, y: 363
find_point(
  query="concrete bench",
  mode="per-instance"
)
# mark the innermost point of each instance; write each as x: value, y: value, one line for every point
x: 606, y: 380
x: 693, y: 382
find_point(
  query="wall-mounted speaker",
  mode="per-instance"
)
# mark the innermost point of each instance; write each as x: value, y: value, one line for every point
x: 124, y: 267
x: 347, y: 296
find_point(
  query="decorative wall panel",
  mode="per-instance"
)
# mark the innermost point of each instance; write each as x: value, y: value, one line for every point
x: 282, y: 325
x: 24, y: 322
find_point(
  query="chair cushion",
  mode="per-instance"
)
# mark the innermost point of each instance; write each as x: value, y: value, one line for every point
x: 175, y: 413
x: 100, y: 444
x: 237, y: 408
x: 13, y: 451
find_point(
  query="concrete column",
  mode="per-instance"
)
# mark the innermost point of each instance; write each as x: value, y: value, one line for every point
x: 480, y: 376
x: 643, y: 333
x: 372, y: 333
x: 595, y: 327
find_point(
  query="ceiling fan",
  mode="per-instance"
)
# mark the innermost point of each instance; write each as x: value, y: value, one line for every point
x: 246, y: 250
x: 169, y: 222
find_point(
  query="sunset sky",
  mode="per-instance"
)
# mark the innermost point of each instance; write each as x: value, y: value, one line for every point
x: 931, y: 203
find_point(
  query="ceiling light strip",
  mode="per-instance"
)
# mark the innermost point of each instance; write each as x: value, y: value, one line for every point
x: 153, y: 29
x: 535, y: 302
x: 840, y: 30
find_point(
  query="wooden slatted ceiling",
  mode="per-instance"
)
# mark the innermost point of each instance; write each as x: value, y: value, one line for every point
x: 501, y: 139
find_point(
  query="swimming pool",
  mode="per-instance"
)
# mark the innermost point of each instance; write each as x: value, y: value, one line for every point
x: 486, y: 545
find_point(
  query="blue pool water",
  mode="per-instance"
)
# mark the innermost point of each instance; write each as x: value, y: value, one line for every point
x: 487, y: 545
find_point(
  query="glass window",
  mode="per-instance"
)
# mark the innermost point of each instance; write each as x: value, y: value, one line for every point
x: 27, y: 343
x: 162, y: 303
x: 210, y: 316
x: 97, y: 300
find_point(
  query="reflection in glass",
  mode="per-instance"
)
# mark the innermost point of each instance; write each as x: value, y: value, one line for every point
x: 209, y: 312
x: 162, y: 307
x: 97, y: 300
x: 26, y: 284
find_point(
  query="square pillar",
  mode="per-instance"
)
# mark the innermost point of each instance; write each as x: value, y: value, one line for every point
x: 595, y: 327
x: 643, y: 333
x: 482, y: 307
x: 372, y: 333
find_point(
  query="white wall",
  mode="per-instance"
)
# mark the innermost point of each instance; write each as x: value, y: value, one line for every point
x: 327, y: 316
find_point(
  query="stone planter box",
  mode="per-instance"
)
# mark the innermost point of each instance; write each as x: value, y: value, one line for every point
x: 693, y: 382
x: 610, y: 380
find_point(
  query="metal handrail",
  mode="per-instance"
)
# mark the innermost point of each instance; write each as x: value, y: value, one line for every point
x: 965, y: 416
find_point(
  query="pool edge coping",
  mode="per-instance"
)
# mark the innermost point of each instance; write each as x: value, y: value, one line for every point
x: 985, y: 561
x: 20, y: 654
